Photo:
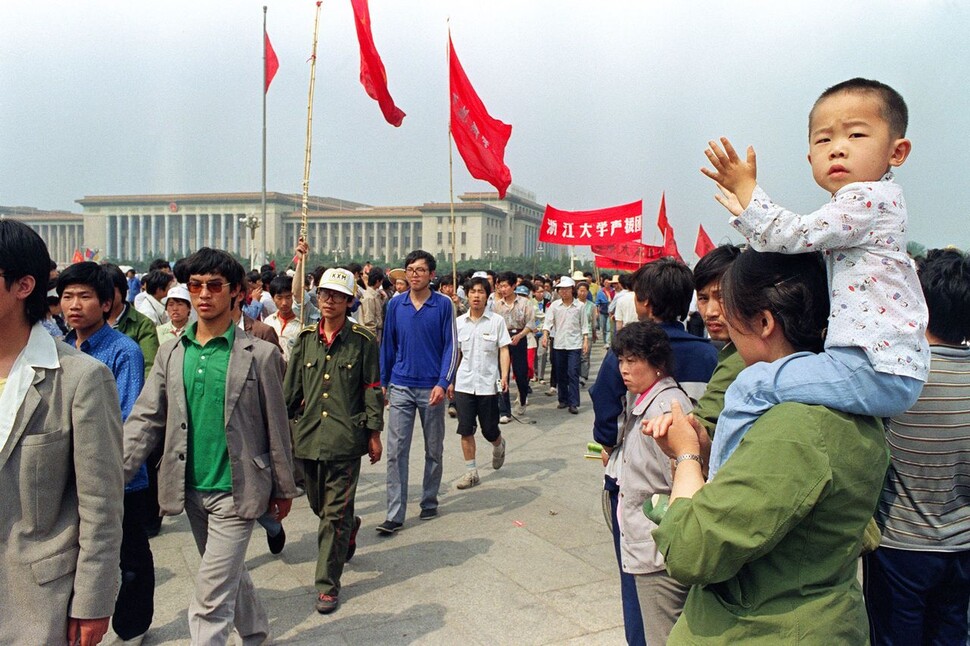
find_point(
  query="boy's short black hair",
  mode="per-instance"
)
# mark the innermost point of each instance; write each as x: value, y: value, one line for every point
x: 421, y: 254
x: 375, y: 277
x: 280, y: 285
x: 117, y: 278
x: 668, y: 285
x: 945, y: 278
x: 178, y: 269
x: 159, y: 264
x: 23, y: 253
x: 478, y: 281
x: 215, y: 261
x: 894, y: 109
x: 509, y: 277
x: 645, y: 340
x: 90, y: 274
x: 713, y: 265
x: 156, y: 280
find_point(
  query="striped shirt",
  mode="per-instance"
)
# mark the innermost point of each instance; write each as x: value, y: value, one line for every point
x: 925, y: 502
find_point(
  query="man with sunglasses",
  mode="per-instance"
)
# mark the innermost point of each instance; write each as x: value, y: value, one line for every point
x: 418, y: 361
x: 333, y: 394
x: 215, y: 398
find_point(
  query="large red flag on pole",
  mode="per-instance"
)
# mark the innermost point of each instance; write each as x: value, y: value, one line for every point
x: 703, y: 246
x: 372, y: 74
x: 480, y: 139
x: 670, y: 245
x: 272, y: 63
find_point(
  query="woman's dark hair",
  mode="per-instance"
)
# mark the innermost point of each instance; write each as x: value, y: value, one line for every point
x: 156, y: 280
x: 23, y: 253
x: 117, y: 278
x: 479, y: 281
x: 645, y: 340
x: 90, y: 274
x: 215, y: 261
x: 945, y: 278
x: 792, y: 287
x: 713, y: 265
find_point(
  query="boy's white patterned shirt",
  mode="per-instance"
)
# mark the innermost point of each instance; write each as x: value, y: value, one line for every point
x: 876, y: 300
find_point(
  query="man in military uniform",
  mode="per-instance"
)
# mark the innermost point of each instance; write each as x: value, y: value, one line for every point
x: 333, y: 393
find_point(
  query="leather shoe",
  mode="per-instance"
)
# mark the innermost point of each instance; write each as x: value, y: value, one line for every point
x: 276, y: 543
x: 573, y: 410
x: 428, y: 514
x: 326, y: 603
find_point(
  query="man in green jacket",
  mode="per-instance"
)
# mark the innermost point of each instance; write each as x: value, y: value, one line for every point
x: 129, y: 321
x: 333, y: 394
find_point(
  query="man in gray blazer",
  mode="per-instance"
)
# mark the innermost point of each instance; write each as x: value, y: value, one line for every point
x: 216, y: 397
x: 61, y: 485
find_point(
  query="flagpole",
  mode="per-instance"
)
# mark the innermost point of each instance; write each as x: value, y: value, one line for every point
x: 262, y: 222
x: 451, y: 174
x: 298, y: 279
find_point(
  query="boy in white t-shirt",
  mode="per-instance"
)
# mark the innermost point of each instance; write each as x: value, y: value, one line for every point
x: 876, y: 355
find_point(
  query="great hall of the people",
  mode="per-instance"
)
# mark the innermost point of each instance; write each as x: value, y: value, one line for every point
x: 137, y: 228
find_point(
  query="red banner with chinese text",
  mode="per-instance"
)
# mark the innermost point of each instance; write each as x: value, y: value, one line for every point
x: 629, y: 252
x: 604, y: 262
x: 602, y: 226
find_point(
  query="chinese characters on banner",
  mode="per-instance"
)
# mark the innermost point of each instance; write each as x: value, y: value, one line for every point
x: 603, y: 226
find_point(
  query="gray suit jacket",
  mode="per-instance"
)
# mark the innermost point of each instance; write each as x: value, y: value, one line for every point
x: 61, y: 501
x: 257, y: 432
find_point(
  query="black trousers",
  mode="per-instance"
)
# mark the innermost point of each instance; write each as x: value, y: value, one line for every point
x: 519, y: 355
x: 135, y: 606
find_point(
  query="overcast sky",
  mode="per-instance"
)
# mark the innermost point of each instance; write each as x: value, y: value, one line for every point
x: 609, y: 102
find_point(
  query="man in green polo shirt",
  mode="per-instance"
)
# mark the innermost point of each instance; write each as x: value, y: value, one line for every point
x: 216, y: 397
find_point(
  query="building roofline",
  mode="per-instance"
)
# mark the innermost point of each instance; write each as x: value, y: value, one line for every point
x: 327, y: 203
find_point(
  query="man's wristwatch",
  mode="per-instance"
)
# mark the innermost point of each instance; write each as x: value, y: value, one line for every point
x: 689, y: 456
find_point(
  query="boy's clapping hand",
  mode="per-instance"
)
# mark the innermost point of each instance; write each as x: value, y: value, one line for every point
x: 735, y: 177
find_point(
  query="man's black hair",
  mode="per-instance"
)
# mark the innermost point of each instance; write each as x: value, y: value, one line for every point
x: 375, y: 277
x: 509, y: 277
x: 945, y: 278
x: 159, y: 264
x: 215, y: 261
x: 156, y: 280
x: 479, y: 281
x: 178, y: 269
x: 280, y: 285
x: 668, y: 285
x: 421, y: 254
x: 117, y: 278
x: 89, y: 274
x: 713, y: 265
x: 894, y: 109
x: 23, y: 253
x: 626, y: 281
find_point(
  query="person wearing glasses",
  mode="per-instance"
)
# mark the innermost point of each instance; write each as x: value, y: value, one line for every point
x: 418, y: 361
x: 215, y: 398
x: 333, y: 395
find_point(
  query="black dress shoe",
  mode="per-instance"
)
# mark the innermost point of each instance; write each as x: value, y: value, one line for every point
x: 573, y: 410
x: 428, y: 514
x: 388, y: 527
x: 276, y: 543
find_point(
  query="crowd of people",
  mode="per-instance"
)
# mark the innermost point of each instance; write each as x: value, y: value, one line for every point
x: 817, y: 416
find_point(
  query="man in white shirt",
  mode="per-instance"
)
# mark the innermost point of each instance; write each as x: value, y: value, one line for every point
x: 157, y: 283
x: 482, y: 338
x: 565, y: 319
x: 284, y: 320
x: 624, y: 304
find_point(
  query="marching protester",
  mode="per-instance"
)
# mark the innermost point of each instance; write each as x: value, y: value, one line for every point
x: 570, y: 331
x: 519, y: 317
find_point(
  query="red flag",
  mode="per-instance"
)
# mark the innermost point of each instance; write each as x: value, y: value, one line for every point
x: 372, y: 75
x: 77, y: 256
x: 604, y: 262
x: 633, y: 252
x: 480, y: 138
x: 601, y: 226
x: 670, y: 245
x: 703, y: 245
x: 662, y: 223
x: 272, y: 63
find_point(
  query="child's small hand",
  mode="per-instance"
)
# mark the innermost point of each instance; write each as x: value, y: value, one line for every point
x: 730, y: 171
x: 729, y: 200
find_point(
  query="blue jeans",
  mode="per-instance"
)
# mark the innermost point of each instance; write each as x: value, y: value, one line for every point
x: 629, y: 599
x: 604, y: 322
x: 916, y: 597
x: 404, y: 403
x: 839, y: 378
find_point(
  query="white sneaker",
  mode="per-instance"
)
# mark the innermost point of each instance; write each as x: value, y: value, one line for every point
x: 469, y: 480
x: 498, y: 456
x: 504, y: 419
x: 552, y: 391
x: 520, y: 410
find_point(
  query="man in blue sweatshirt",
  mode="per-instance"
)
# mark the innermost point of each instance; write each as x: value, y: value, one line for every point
x: 418, y: 361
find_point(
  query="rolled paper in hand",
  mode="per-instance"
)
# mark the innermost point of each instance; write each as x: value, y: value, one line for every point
x: 593, y: 447
x: 655, y: 507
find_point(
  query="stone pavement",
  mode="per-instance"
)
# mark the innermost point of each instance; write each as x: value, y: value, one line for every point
x: 523, y: 558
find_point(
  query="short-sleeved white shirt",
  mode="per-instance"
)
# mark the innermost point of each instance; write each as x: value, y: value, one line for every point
x: 479, y: 341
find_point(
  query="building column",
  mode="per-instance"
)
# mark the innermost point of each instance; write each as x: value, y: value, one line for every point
x: 118, y: 249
